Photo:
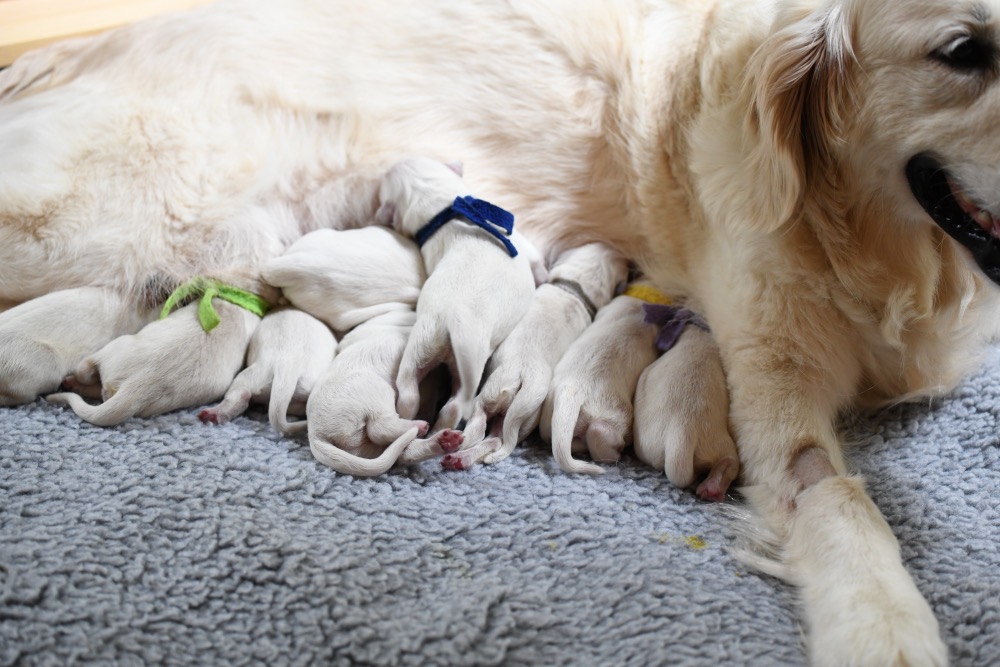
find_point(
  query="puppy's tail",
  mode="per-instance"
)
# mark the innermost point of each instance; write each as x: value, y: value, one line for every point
x: 344, y: 462
x: 471, y: 354
x: 566, y: 408
x: 113, y: 411
x: 283, y: 388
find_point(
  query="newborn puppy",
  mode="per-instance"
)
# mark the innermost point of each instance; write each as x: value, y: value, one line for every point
x: 589, y: 405
x: 519, y: 372
x: 682, y: 414
x: 170, y: 364
x: 475, y: 292
x: 353, y: 424
x: 43, y: 340
x: 288, y: 353
x: 346, y: 277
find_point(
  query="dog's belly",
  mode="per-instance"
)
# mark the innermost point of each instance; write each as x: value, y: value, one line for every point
x: 185, y: 164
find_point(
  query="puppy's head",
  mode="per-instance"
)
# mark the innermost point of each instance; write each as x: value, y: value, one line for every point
x: 888, y: 105
x: 416, y: 189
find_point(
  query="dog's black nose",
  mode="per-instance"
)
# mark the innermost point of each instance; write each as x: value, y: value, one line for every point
x: 461, y: 425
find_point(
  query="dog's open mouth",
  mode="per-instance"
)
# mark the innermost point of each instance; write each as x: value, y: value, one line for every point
x: 956, y: 213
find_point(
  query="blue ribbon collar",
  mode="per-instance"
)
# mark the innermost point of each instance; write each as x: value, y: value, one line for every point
x: 671, y: 320
x: 497, y: 222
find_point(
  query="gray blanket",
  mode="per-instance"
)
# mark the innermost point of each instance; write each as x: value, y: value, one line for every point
x: 167, y: 541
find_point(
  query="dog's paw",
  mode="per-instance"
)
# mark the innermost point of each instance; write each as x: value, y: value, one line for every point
x: 714, y: 487
x: 450, y: 441
x: 212, y: 416
x: 455, y: 462
x: 887, y: 630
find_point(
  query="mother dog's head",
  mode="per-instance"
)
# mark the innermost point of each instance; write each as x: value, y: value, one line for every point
x: 881, y: 117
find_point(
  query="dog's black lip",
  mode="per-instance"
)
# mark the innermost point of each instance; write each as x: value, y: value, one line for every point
x: 929, y: 183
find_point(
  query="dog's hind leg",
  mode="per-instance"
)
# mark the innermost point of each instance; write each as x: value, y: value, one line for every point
x: 421, y: 355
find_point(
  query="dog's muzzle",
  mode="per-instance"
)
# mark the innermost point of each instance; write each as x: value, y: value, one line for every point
x: 954, y: 212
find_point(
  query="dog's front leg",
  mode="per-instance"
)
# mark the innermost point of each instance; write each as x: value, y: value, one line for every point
x: 861, y: 606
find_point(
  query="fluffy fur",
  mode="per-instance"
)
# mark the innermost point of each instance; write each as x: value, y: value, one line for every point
x: 347, y: 277
x: 520, y: 371
x: 353, y: 424
x: 681, y: 423
x: 589, y: 404
x: 43, y: 340
x: 474, y: 295
x: 288, y: 352
x: 170, y: 364
x: 747, y: 153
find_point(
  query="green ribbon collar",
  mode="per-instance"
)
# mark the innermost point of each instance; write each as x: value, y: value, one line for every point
x: 208, y: 289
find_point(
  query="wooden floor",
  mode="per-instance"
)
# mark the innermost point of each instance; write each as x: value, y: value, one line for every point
x: 28, y: 24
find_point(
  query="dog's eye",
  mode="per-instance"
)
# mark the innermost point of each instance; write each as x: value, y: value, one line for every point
x: 967, y: 54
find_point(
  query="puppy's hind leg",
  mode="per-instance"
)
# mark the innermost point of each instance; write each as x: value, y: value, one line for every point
x: 520, y: 420
x: 385, y: 429
x: 251, y: 381
x: 604, y: 442
x: 422, y: 354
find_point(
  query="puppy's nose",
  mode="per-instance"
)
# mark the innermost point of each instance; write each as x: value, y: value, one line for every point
x: 461, y: 425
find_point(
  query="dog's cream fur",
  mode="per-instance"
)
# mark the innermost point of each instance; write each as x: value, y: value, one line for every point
x: 353, y: 424
x: 589, y: 404
x: 350, y: 276
x: 288, y: 353
x: 681, y: 421
x: 43, y: 340
x: 170, y: 364
x: 520, y: 371
x: 746, y: 153
x: 474, y: 295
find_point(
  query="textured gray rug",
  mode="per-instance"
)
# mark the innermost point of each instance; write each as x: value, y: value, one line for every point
x: 167, y: 541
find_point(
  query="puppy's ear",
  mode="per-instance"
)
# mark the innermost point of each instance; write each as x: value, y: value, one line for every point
x: 385, y: 214
x: 800, y: 88
x: 456, y: 166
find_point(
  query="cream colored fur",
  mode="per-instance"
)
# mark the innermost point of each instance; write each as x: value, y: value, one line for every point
x: 509, y: 405
x: 746, y: 153
x: 288, y: 353
x: 169, y: 364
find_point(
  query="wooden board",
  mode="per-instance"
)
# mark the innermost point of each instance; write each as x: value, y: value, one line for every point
x: 28, y: 24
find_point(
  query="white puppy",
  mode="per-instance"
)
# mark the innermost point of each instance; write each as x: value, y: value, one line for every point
x: 589, y: 405
x: 682, y: 416
x: 479, y: 284
x: 353, y: 424
x: 288, y: 353
x: 170, y: 364
x: 346, y: 277
x: 518, y: 375
x: 43, y: 340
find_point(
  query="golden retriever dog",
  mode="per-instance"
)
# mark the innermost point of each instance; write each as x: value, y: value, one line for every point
x: 818, y: 177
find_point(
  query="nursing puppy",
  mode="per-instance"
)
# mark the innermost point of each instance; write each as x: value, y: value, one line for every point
x: 589, y: 405
x: 288, y: 353
x: 353, y: 424
x: 170, y: 364
x: 682, y: 416
x: 475, y: 292
x: 815, y: 174
x: 518, y: 375
x: 346, y: 277
x: 43, y: 340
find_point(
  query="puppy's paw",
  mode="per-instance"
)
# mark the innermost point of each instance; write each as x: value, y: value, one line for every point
x: 714, y: 487
x: 212, y: 416
x: 450, y: 440
x: 455, y: 462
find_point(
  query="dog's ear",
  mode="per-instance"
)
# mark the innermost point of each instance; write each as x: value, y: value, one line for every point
x: 800, y: 88
x: 385, y: 214
x: 456, y: 166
